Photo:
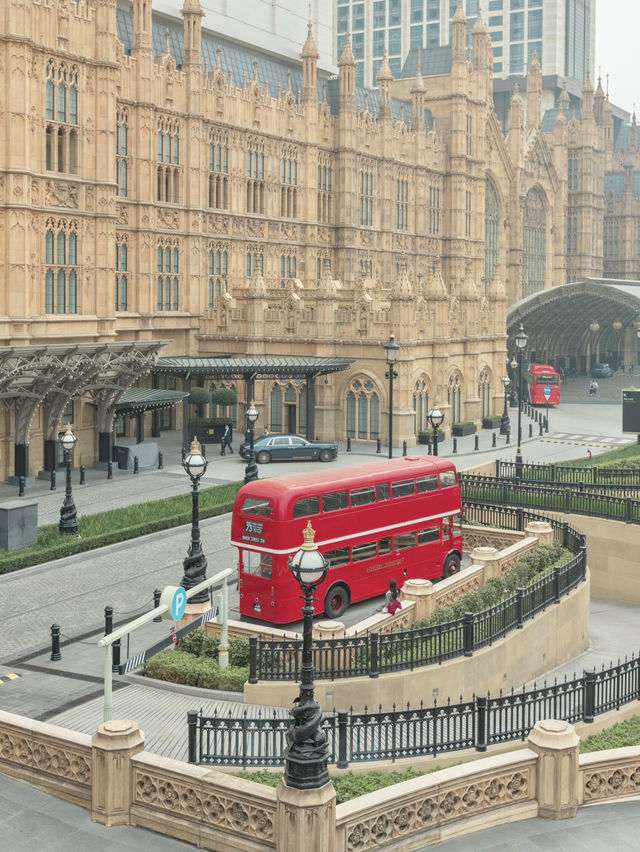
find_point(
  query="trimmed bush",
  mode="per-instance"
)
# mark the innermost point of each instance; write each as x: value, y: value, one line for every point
x: 176, y: 666
x: 492, y: 422
x: 465, y: 427
x: 202, y: 644
x: 223, y: 396
x: 199, y: 397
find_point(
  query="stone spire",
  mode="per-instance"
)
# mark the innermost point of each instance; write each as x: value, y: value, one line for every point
x: 192, y: 14
x: 347, y: 65
x: 459, y: 35
x: 385, y: 78
x: 418, y: 92
x: 563, y: 100
x: 482, y: 54
x: 598, y: 104
x: 534, y: 94
x: 633, y: 133
x: 310, y: 56
x: 142, y: 25
x: 587, y: 98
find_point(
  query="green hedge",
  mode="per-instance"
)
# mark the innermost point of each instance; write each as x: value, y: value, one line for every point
x: 174, y: 666
x: 201, y: 644
x: 621, y: 734
x: 119, y: 525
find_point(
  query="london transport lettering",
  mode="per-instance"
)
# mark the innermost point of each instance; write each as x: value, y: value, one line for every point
x: 392, y: 564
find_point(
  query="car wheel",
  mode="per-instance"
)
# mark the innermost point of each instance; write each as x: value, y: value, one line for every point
x: 336, y: 601
x: 326, y: 456
x: 263, y: 457
x: 451, y: 565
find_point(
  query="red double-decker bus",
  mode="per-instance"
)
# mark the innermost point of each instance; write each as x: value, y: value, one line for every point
x: 397, y: 519
x: 544, y: 385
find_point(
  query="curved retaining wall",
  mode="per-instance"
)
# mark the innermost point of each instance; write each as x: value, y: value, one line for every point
x: 546, y: 641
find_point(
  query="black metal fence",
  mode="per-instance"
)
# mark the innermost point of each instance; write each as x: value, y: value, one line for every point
x: 411, y: 732
x: 558, y: 474
x: 375, y: 653
x: 600, y: 501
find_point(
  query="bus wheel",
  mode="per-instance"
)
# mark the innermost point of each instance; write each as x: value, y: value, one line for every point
x: 451, y: 565
x: 336, y: 601
x: 263, y: 457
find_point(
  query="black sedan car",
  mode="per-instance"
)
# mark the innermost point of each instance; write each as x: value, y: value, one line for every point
x: 288, y: 448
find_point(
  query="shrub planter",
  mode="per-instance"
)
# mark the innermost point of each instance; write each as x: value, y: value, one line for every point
x: 426, y: 436
x: 467, y: 427
x: 492, y: 422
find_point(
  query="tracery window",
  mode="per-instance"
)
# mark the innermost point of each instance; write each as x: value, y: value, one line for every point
x: 421, y: 406
x: 363, y: 410
x: 484, y: 392
x: 61, y: 262
x: 289, y: 183
x: 572, y: 231
x: 454, y: 397
x: 467, y: 214
x: 168, y: 281
x: 491, y: 232
x: 288, y: 266
x: 168, y: 172
x: 323, y: 263
x: 255, y: 176
x: 122, y: 272
x: 402, y: 202
x: 325, y: 188
x: 611, y: 232
x: 218, y: 270
x: 218, y: 172
x: 255, y: 260
x: 534, y: 244
x: 61, y: 134
x: 366, y: 194
x: 366, y: 267
x: 434, y: 209
x: 122, y: 152
x: 573, y: 171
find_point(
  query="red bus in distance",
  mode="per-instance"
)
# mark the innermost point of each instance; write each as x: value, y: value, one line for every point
x: 397, y: 519
x: 544, y: 384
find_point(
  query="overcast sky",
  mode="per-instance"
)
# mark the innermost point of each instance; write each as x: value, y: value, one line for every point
x: 617, y: 28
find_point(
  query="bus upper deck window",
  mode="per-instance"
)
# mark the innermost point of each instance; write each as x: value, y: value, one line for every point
x: 447, y: 479
x: 427, y: 483
x: 258, y: 506
x: 338, y: 557
x: 403, y: 488
x: 363, y: 496
x: 306, y: 506
x: 382, y: 491
x: 334, y: 501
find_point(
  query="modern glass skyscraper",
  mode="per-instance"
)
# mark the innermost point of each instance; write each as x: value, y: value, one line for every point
x: 560, y: 32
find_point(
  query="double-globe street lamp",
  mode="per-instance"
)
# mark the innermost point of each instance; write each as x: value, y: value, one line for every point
x: 391, y: 350
x: 307, y: 751
x: 436, y: 418
x: 251, y: 470
x: 195, y: 562
x: 521, y: 343
x: 68, y: 524
x: 505, y: 425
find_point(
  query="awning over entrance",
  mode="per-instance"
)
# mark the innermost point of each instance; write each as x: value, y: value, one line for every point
x: 138, y: 400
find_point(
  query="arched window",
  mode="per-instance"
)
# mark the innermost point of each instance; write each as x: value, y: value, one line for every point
x: 534, y: 244
x: 363, y: 410
x: 61, y: 258
x: 484, y: 392
x: 276, y: 409
x: 454, y: 394
x: 420, y: 406
x: 491, y: 231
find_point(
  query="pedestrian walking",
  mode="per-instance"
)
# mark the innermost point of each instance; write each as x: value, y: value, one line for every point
x: 593, y: 388
x: 228, y: 433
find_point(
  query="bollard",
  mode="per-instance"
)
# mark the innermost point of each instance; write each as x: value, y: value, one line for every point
x: 108, y: 620
x: 541, y: 428
x: 493, y: 440
x: 21, y: 486
x: 55, y: 642
x: 156, y: 602
x: 192, y: 726
x: 455, y: 445
x: 116, y: 656
x: 82, y: 474
x: 160, y: 460
x: 546, y: 424
x: 508, y: 436
x: 109, y: 470
x: 378, y: 447
x: 531, y: 430
x: 476, y: 443
x: 348, y: 445
x: 136, y: 469
x: 53, y: 481
x: 404, y: 448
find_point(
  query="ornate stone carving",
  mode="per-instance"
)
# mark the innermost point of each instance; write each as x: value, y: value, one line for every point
x: 167, y: 218
x: 61, y: 194
x: 123, y: 214
x: 55, y: 759
x: 612, y: 782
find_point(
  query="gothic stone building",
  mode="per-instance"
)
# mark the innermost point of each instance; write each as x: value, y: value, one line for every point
x: 148, y: 192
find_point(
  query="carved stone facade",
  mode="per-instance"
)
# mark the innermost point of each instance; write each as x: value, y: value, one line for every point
x: 345, y: 219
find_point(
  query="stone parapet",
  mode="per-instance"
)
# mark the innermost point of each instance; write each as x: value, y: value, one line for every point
x: 112, y: 747
x: 557, y: 745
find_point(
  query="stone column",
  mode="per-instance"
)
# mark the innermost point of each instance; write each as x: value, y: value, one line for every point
x: 112, y: 747
x: 329, y: 630
x: 422, y: 593
x: 306, y: 819
x: 488, y: 557
x: 556, y: 744
x: 542, y: 530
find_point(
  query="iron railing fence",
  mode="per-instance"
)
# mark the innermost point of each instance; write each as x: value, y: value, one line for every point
x: 390, y: 735
x: 550, y: 473
x: 549, y: 497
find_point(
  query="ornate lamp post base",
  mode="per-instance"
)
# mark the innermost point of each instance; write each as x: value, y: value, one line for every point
x: 307, y: 755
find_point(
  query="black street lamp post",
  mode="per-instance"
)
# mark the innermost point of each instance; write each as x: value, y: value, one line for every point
x: 251, y: 470
x: 391, y: 351
x: 436, y: 418
x: 68, y: 524
x: 307, y: 752
x: 195, y: 562
x: 505, y: 425
x: 521, y: 343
